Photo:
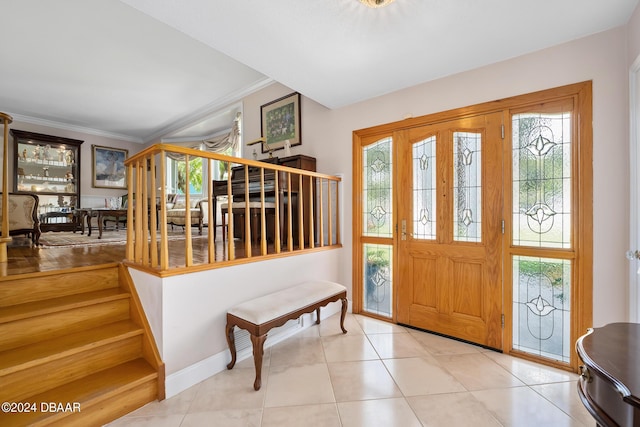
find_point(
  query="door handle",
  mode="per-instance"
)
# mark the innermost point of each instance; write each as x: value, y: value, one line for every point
x: 403, y: 235
x: 631, y: 255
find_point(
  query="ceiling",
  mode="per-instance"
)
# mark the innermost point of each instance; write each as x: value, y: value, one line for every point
x: 140, y: 70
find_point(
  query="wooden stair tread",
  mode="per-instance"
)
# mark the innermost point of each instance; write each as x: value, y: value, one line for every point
x: 32, y: 287
x: 38, y: 308
x: 27, y: 356
x: 87, y: 391
x: 78, y: 337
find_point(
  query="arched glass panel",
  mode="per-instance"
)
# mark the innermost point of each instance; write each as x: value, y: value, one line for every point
x: 467, y: 187
x: 424, y: 189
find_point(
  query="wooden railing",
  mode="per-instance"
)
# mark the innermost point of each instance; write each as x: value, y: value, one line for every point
x: 303, y: 219
x: 4, y: 203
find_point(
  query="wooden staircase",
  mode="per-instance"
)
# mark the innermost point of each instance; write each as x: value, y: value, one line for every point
x: 75, y: 348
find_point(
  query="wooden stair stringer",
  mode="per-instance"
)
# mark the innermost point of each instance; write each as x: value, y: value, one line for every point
x: 149, y: 347
x: 94, y: 347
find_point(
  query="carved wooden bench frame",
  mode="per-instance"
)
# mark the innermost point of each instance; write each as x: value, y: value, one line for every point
x: 259, y: 332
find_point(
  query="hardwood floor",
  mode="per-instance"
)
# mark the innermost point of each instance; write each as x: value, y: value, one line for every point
x: 24, y: 258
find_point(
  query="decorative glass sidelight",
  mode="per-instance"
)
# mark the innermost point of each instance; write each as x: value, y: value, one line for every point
x: 467, y: 187
x: 424, y: 189
x: 542, y: 180
x: 541, y: 219
x: 377, y: 279
x: 377, y: 189
x: 542, y: 307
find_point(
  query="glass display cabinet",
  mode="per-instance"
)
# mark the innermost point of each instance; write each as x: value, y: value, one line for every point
x: 49, y: 166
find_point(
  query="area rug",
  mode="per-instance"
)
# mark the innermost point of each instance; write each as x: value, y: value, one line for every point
x: 66, y: 239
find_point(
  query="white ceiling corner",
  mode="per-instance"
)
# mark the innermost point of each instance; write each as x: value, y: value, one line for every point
x: 142, y: 70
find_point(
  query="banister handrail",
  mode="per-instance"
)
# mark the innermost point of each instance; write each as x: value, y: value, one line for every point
x: 312, y: 209
x: 154, y: 149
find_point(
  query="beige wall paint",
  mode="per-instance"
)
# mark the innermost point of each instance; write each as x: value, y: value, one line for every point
x: 602, y: 58
x: 327, y: 135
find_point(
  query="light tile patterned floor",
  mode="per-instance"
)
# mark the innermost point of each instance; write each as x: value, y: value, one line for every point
x: 378, y: 374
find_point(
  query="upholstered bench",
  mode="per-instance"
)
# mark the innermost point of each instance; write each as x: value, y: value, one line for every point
x: 261, y: 314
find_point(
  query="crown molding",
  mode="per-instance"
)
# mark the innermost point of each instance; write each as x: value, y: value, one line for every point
x: 211, y: 108
x: 181, y: 124
x: 74, y: 128
x: 179, y: 139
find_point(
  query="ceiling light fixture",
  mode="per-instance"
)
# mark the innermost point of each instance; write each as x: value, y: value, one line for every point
x: 376, y: 3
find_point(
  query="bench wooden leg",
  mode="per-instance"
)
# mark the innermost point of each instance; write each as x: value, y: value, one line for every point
x: 318, y: 316
x: 258, y: 352
x: 231, y: 341
x: 343, y: 314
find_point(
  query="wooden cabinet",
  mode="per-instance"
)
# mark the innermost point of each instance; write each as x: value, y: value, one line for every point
x: 299, y: 162
x: 309, y: 164
x: 609, y: 386
x: 49, y: 166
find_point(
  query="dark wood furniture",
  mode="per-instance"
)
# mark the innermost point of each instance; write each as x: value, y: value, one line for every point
x: 49, y: 166
x: 255, y: 212
x: 260, y: 315
x: 239, y: 192
x: 82, y: 215
x: 609, y: 385
x: 101, y: 213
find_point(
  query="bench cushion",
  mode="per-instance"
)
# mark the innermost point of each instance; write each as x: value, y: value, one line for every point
x: 272, y: 306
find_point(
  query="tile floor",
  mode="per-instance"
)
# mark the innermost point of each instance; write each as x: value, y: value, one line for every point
x: 378, y: 374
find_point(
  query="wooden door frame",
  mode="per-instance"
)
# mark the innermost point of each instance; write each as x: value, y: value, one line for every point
x: 634, y: 159
x: 582, y: 302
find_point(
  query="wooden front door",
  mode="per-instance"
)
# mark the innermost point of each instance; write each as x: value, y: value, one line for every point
x: 450, y: 206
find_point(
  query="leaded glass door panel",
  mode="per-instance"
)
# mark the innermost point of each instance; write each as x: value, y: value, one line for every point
x: 378, y: 227
x: 450, y: 239
x: 542, y: 250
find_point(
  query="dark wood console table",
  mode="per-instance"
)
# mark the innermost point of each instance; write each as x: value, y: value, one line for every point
x: 609, y: 386
x: 99, y: 213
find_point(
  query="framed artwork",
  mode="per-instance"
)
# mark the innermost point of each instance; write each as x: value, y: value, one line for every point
x: 281, y: 122
x: 108, y: 168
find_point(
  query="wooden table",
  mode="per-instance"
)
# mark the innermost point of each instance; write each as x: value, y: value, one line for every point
x: 99, y: 213
x: 609, y: 386
x: 81, y: 214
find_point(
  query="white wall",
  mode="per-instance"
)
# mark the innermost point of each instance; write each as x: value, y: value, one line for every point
x: 602, y: 58
x: 187, y: 313
x: 634, y: 147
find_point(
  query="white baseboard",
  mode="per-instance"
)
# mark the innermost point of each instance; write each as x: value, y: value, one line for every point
x: 188, y: 377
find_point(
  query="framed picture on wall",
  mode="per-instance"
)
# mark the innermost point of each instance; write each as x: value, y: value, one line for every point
x: 281, y: 122
x: 108, y: 170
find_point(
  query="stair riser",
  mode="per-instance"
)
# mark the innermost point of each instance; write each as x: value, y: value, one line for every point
x: 106, y: 411
x: 20, y: 291
x: 96, y: 412
x: 108, y: 370
x: 19, y: 385
x: 29, y: 330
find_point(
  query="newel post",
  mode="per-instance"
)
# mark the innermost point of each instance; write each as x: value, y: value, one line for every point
x: 6, y: 120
